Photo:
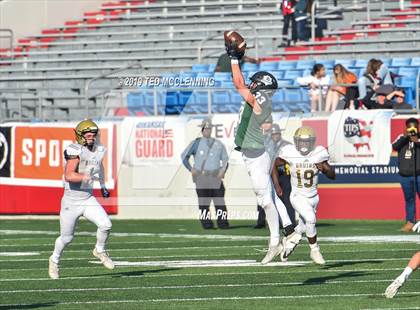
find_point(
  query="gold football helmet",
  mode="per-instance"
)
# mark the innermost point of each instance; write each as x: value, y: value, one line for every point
x: 83, y: 127
x: 304, y: 139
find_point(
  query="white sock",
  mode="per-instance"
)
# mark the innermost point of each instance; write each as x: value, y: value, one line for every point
x: 101, y: 238
x: 272, y: 218
x: 405, y: 274
x: 58, y: 250
x: 314, y: 246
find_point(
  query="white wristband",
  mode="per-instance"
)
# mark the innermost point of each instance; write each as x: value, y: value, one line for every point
x: 234, y: 61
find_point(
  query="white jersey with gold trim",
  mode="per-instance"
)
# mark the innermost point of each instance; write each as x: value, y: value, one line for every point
x: 303, y: 172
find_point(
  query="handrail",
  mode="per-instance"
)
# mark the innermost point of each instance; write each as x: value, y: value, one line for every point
x: 200, y: 45
x: 136, y: 65
x: 10, y: 37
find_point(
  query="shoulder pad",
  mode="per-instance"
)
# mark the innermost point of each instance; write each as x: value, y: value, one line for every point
x: 321, y: 154
x: 72, y: 151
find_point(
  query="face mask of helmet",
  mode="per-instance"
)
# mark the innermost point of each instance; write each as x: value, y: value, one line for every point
x: 304, y: 145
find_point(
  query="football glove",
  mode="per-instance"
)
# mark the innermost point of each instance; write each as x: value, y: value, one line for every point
x: 416, y: 227
x: 105, y: 192
x: 233, y: 53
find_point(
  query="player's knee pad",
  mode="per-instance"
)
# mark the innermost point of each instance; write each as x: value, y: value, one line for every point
x: 105, y: 226
x: 310, y: 229
x: 66, y: 239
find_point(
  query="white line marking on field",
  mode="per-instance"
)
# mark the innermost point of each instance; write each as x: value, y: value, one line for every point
x: 146, y: 275
x: 409, y: 308
x: 165, y: 287
x: 198, y: 299
x: 19, y: 253
x: 204, y: 263
x: 374, y: 239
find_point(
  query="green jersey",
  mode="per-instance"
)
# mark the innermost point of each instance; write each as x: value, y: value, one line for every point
x: 249, y: 134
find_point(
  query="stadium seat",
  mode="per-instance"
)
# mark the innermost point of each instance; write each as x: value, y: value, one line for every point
x: 292, y: 95
x: 235, y: 97
x: 408, y: 71
x: 345, y: 62
x: 200, y: 68
x: 277, y: 74
x: 282, y: 83
x: 278, y: 96
x: 360, y: 63
x: 305, y: 64
x: 204, y: 74
x: 222, y: 76
x: 387, y: 62
x: 200, y: 97
x: 212, y: 67
x: 227, y: 84
x: 286, y: 65
x: 135, y: 100
x: 268, y: 66
x: 400, y: 62
x: 249, y: 67
x: 292, y: 74
x: 329, y: 64
x: 184, y: 75
x: 415, y: 62
x: 220, y: 97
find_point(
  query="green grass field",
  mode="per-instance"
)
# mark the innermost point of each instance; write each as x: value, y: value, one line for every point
x: 177, y: 265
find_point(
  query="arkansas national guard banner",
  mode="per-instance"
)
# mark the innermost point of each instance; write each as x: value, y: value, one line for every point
x: 360, y: 137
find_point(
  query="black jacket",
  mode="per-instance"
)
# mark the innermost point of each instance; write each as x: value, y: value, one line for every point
x: 406, y: 165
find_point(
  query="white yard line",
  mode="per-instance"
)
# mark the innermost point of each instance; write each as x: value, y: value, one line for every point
x: 146, y: 275
x: 165, y: 287
x: 198, y: 299
x: 19, y: 253
x: 375, y: 239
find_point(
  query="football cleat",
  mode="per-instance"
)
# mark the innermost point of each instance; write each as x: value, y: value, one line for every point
x: 393, y: 288
x: 53, y: 270
x: 289, y: 245
x: 316, y: 256
x: 272, y: 252
x: 104, y: 258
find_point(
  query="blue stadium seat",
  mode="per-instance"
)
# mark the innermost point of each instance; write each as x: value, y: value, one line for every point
x: 227, y: 84
x: 212, y: 67
x: 220, y: 97
x: 250, y: 73
x: 135, y: 100
x: 171, y: 98
x: 200, y: 68
x: 235, y: 97
x: 400, y: 62
x: 329, y: 64
x: 185, y: 97
x: 360, y: 63
x: 268, y: 66
x: 306, y: 72
x: 200, y: 97
x: 184, y: 75
x: 284, y: 82
x: 278, y: 74
x: 222, y: 76
x: 249, y: 67
x: 286, y: 65
x: 415, y: 62
x: 305, y: 64
x: 292, y: 95
x: 387, y: 62
x: 408, y: 71
x: 204, y: 74
x: 305, y: 95
x: 345, y: 62
x: 278, y: 96
x: 292, y: 74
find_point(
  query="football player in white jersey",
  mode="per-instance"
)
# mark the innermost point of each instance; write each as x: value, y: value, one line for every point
x: 83, y: 166
x: 305, y: 161
x: 412, y: 266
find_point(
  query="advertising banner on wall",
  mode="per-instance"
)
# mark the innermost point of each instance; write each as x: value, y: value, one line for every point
x: 152, y: 140
x: 5, y: 151
x: 360, y: 137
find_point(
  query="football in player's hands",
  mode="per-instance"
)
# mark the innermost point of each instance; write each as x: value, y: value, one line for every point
x: 235, y: 44
x: 105, y: 192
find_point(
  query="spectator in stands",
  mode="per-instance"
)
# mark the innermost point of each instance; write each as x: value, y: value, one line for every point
x: 210, y: 164
x: 408, y: 147
x: 301, y: 9
x: 287, y: 9
x: 376, y: 74
x: 318, y: 79
x: 400, y: 103
x: 386, y: 97
x: 341, y: 76
x: 223, y: 63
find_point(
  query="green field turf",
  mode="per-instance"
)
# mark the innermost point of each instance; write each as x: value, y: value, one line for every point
x: 355, y: 277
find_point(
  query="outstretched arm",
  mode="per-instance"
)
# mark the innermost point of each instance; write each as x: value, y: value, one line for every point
x: 326, y: 169
x: 275, y: 175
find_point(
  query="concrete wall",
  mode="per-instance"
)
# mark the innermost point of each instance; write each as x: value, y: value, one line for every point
x: 29, y: 17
